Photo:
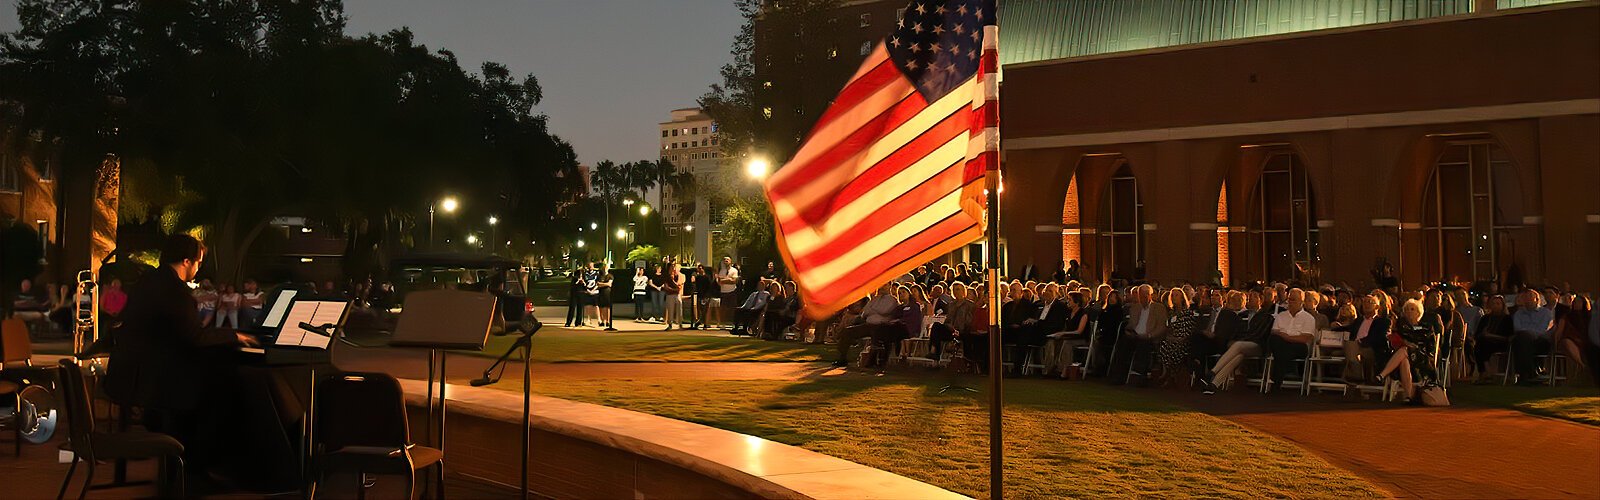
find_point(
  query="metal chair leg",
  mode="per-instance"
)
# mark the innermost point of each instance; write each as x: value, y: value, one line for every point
x: 411, y: 483
x: 182, y: 488
x: 68, y: 480
x: 88, y: 480
x: 439, y: 473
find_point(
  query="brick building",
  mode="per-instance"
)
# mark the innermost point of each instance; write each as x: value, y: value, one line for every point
x: 1254, y: 138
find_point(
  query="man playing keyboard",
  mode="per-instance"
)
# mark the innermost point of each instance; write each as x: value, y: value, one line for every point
x: 169, y: 364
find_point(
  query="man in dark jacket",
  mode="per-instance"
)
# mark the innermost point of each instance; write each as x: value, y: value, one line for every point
x: 166, y: 362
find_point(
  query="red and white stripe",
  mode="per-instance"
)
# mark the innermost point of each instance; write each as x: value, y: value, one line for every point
x: 885, y: 181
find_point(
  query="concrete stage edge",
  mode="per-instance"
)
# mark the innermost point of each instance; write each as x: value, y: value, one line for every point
x: 583, y: 450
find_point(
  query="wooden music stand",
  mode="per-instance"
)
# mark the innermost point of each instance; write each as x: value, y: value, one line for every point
x: 438, y: 320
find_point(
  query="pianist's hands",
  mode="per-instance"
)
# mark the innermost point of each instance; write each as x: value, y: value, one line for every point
x: 247, y: 341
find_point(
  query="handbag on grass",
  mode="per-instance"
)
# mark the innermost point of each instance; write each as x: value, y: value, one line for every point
x: 1434, y: 395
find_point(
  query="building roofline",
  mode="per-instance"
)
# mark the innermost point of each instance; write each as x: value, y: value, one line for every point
x: 1309, y: 34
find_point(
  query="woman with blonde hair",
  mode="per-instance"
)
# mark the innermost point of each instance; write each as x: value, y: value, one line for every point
x: 1410, y: 338
x: 1182, y: 323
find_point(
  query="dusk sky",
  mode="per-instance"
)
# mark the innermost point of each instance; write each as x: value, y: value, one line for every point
x: 611, y: 69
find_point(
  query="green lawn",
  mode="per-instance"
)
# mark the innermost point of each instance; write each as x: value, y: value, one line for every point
x: 561, y: 346
x: 1578, y: 404
x: 1063, y: 440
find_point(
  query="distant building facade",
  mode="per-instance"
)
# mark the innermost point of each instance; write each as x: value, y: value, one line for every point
x: 1453, y: 139
x: 689, y: 140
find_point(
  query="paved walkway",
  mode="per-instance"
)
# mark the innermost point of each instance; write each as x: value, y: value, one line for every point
x: 1417, y: 452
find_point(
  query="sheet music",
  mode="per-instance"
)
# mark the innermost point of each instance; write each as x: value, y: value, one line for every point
x: 313, y: 312
x: 328, y: 313
x: 279, y: 307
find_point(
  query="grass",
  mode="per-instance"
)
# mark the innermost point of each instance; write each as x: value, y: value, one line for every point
x: 563, y: 346
x: 1578, y: 404
x: 1063, y: 440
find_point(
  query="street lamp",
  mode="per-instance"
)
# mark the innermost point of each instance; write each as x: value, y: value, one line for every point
x: 472, y: 239
x: 493, y: 231
x: 757, y: 168
x: 687, y: 228
x: 622, y: 234
x: 644, y: 210
x: 449, y: 205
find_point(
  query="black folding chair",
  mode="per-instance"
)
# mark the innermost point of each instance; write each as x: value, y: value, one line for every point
x: 361, y: 428
x: 91, y: 447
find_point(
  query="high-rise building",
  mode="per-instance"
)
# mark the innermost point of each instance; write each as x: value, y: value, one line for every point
x: 689, y: 141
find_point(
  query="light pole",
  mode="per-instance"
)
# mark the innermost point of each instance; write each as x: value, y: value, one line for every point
x: 688, y: 228
x: 493, y: 222
x: 449, y: 205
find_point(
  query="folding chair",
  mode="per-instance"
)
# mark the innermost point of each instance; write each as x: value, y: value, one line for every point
x: 1318, y: 358
x: 1088, y: 348
x: 1555, y: 365
x: 361, y: 427
x: 92, y: 447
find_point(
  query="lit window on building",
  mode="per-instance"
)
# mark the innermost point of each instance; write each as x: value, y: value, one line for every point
x: 866, y: 20
x: 766, y: 112
x: 10, y: 175
x: 866, y: 48
x: 833, y: 52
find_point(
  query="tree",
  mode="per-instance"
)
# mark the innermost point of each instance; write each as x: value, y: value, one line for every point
x: 254, y: 109
x: 748, y: 124
x: 648, y: 253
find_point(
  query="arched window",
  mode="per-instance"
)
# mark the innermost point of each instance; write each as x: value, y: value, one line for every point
x: 1071, y: 232
x: 10, y: 173
x: 1223, y: 256
x: 1281, y: 224
x: 1121, y: 223
x: 1464, y: 220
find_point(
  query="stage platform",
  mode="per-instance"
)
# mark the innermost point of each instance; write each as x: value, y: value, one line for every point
x: 582, y: 450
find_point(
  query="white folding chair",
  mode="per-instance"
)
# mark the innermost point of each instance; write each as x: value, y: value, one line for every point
x: 1318, y: 357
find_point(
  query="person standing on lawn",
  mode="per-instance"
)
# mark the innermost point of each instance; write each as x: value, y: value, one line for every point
x: 641, y: 293
x: 728, y: 281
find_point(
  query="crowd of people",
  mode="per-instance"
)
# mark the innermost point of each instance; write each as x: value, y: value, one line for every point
x: 689, y: 297
x: 1143, y: 332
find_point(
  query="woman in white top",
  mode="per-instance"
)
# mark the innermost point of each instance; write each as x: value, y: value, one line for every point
x: 228, y: 310
x: 205, y: 297
x: 641, y: 286
x: 250, y: 306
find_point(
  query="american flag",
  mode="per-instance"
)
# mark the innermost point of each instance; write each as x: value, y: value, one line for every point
x: 892, y: 175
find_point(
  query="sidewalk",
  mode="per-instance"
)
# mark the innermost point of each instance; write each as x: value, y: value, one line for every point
x: 1421, y: 452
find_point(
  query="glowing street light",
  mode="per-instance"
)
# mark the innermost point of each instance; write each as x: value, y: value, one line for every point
x: 493, y: 220
x: 688, y: 227
x: 472, y: 239
x: 593, y: 226
x: 449, y: 205
x: 622, y: 234
x: 757, y: 168
x: 644, y: 210
x: 580, y: 243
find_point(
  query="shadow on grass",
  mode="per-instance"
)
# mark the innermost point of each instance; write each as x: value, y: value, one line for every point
x: 1019, y: 393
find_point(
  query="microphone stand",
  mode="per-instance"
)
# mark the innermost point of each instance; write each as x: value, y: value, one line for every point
x: 490, y: 376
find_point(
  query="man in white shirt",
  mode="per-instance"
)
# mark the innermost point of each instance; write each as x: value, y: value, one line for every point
x: 879, y: 313
x: 1293, y: 331
x: 727, y: 282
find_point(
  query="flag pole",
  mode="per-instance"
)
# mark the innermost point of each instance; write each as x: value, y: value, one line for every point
x: 992, y: 234
x: 996, y: 394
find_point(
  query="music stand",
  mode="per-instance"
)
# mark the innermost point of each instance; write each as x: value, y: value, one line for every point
x: 438, y: 320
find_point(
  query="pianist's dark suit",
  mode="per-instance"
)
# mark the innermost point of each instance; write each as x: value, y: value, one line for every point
x: 164, y: 361
x: 163, y: 357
